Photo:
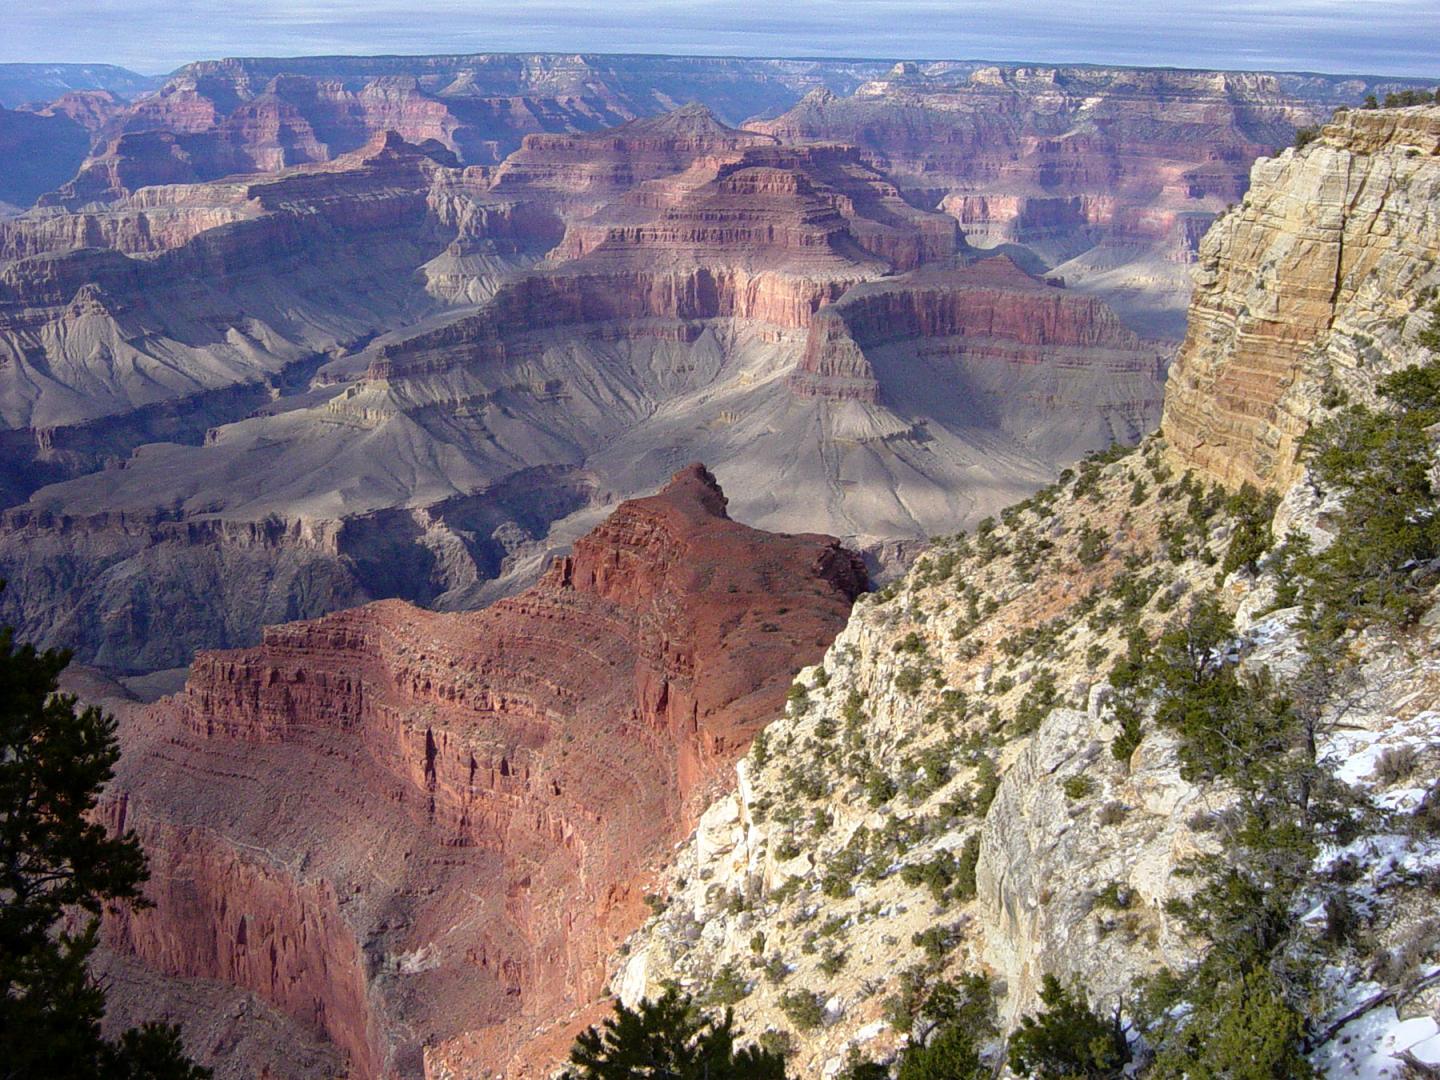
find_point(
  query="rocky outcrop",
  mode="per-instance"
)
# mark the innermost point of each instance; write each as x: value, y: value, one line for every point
x: 806, y: 209
x: 1304, y: 291
x: 595, y: 167
x: 414, y: 830
x: 990, y: 312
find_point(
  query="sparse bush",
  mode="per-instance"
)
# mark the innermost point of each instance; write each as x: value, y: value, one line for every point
x: 1092, y: 545
x: 779, y: 1044
x: 879, y: 787
x: 1112, y: 813
x: 1252, y: 537
x: 1036, y: 703
x: 727, y: 986
x: 774, y: 968
x: 909, y: 680
x: 936, y: 941
x: 760, y: 749
x: 1115, y: 897
x: 911, y: 644
x: 803, y: 1008
x: 1395, y: 763
x: 1079, y: 787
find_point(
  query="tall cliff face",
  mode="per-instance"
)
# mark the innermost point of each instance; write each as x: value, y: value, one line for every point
x: 952, y: 790
x: 1304, y: 292
x: 420, y: 834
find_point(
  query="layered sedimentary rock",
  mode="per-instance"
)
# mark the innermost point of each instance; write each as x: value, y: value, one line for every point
x: 302, y: 470
x: 1303, y: 288
x: 1107, y: 176
x: 420, y: 834
x: 802, y: 210
x: 993, y: 337
x: 595, y: 167
x: 216, y: 118
x: 240, y: 290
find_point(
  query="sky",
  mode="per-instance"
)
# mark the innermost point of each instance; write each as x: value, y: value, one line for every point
x: 155, y: 36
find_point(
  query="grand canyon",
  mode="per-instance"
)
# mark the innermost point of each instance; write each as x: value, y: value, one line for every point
x: 445, y: 468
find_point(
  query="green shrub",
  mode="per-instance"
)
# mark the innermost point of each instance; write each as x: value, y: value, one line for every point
x: 669, y: 1036
x: 909, y: 680
x: 879, y: 787
x: 1249, y: 1032
x: 1079, y: 787
x: 1115, y: 897
x: 936, y: 941
x: 760, y: 749
x: 1068, y: 1041
x: 779, y: 1044
x: 1036, y: 704
x: 727, y: 986
x: 1379, y: 461
x: 912, y: 644
x: 1092, y: 545
x: 987, y: 783
x: 965, y: 868
x: 803, y: 1008
x: 1252, y: 537
x: 951, y: 1053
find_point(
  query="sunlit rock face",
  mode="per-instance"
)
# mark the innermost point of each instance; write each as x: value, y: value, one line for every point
x: 411, y: 830
x: 1301, y: 288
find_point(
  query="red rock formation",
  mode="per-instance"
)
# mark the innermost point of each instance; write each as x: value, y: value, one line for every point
x: 989, y: 311
x: 415, y: 829
x: 598, y: 166
x: 219, y: 118
x: 807, y: 209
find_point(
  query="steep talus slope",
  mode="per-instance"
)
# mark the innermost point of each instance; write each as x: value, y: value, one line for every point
x: 1303, y: 291
x: 410, y: 830
x: 956, y: 788
x: 1002, y: 343
x: 100, y: 351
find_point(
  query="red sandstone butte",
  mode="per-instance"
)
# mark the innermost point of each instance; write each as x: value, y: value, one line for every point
x: 423, y: 833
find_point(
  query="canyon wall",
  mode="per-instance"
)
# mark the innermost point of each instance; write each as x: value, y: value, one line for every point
x: 1304, y: 289
x: 420, y: 834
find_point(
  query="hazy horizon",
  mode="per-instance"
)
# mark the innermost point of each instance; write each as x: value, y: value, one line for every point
x: 154, y: 37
